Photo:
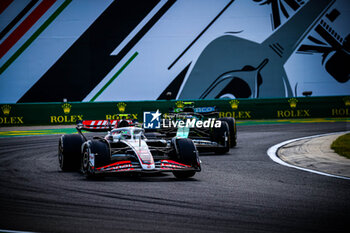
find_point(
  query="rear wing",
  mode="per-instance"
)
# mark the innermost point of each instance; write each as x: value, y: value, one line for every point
x: 198, y: 111
x: 201, y: 110
x: 102, y: 125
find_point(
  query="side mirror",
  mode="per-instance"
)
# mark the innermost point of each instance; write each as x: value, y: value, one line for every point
x: 79, y: 124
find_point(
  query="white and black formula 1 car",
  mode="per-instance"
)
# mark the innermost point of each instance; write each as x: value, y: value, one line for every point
x: 125, y: 148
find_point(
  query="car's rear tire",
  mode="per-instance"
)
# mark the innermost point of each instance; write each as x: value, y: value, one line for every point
x: 233, y: 131
x: 221, y: 135
x: 69, y: 150
x: 186, y: 154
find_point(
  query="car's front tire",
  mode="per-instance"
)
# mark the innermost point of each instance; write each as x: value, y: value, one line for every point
x: 186, y: 154
x: 221, y: 135
x: 184, y: 174
x: 101, y: 154
x: 233, y: 131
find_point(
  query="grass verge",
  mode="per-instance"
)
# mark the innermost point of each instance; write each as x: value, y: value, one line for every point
x: 342, y: 145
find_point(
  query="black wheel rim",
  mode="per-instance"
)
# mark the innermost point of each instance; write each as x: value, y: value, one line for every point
x: 86, y: 160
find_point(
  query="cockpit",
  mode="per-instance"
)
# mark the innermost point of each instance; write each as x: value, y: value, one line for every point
x: 129, y: 133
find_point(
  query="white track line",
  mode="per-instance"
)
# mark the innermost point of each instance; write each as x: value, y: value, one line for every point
x: 272, y: 153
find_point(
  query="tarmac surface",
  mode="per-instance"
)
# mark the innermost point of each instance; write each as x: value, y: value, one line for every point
x: 241, y: 191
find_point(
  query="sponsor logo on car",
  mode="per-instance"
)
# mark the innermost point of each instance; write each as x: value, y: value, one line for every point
x: 204, y: 109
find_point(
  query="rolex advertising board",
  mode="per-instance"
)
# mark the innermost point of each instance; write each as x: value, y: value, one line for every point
x: 68, y: 113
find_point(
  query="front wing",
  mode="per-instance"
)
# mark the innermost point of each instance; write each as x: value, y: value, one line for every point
x: 129, y: 166
x: 203, y: 145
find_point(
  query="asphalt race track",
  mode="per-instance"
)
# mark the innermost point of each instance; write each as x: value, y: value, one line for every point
x: 243, y: 191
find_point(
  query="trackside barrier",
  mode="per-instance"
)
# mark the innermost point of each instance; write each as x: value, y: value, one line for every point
x: 241, y: 109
